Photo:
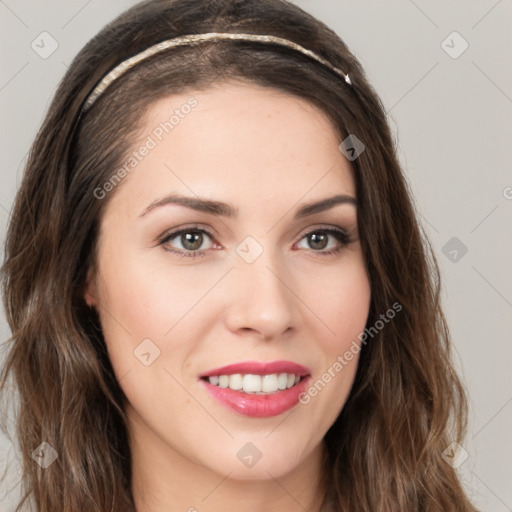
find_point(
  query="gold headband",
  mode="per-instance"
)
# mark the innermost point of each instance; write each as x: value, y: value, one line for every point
x: 120, y: 69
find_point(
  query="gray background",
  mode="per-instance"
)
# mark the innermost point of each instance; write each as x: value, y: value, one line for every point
x: 452, y: 119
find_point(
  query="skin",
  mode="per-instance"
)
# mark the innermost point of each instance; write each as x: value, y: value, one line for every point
x: 267, y: 154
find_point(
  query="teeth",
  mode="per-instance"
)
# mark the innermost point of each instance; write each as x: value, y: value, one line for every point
x: 255, y: 384
x: 223, y: 381
x: 282, y: 381
x: 252, y: 383
x: 269, y: 383
x: 236, y: 381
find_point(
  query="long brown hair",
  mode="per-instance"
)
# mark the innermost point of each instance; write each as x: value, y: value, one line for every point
x: 407, y: 403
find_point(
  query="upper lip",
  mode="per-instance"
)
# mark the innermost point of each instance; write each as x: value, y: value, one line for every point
x: 259, y: 368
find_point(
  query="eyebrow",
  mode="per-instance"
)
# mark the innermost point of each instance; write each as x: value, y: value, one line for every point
x: 225, y: 210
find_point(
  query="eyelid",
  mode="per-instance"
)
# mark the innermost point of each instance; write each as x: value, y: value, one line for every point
x: 323, y: 227
x: 173, y: 232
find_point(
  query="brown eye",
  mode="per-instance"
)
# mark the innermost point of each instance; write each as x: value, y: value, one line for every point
x: 187, y: 242
x: 325, y: 241
x: 318, y: 240
x: 192, y: 240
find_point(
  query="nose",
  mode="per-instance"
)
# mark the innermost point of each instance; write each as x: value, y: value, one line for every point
x: 261, y: 300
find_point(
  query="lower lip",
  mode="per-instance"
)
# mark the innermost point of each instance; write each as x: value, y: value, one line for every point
x: 258, y: 406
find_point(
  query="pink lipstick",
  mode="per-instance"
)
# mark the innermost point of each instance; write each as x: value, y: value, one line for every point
x: 257, y: 368
x: 257, y: 389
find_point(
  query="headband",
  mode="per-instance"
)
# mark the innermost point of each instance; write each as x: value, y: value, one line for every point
x: 124, y: 66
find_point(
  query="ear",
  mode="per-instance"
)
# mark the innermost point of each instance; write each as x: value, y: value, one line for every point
x: 90, y: 291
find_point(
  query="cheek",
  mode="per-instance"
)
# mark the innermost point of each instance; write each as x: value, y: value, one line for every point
x: 145, y: 312
x: 340, y: 300
x: 151, y: 299
x: 151, y: 296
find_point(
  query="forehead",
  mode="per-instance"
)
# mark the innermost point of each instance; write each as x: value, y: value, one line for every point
x: 239, y: 140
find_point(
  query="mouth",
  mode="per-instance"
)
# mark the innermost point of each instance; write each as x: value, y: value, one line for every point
x: 257, y: 389
x: 255, y: 384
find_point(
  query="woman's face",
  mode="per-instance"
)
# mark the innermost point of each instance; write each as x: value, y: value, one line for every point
x: 213, y: 253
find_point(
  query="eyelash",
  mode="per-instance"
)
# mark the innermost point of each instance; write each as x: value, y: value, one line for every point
x: 340, y: 235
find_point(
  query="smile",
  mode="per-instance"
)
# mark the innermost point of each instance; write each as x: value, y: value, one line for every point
x: 257, y: 389
x: 255, y: 384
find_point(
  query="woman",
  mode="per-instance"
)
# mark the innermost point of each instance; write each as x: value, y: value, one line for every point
x: 202, y: 167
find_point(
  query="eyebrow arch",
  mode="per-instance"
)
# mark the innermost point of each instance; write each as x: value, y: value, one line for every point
x: 195, y: 203
x: 324, y: 204
x: 225, y: 210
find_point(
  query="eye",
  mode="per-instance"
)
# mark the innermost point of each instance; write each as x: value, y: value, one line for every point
x: 325, y: 240
x: 188, y: 242
x: 195, y: 241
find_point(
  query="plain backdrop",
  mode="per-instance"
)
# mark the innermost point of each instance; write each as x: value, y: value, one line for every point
x: 443, y: 70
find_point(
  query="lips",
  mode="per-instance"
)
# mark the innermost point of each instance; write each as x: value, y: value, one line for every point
x: 265, y: 405
x: 259, y: 368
